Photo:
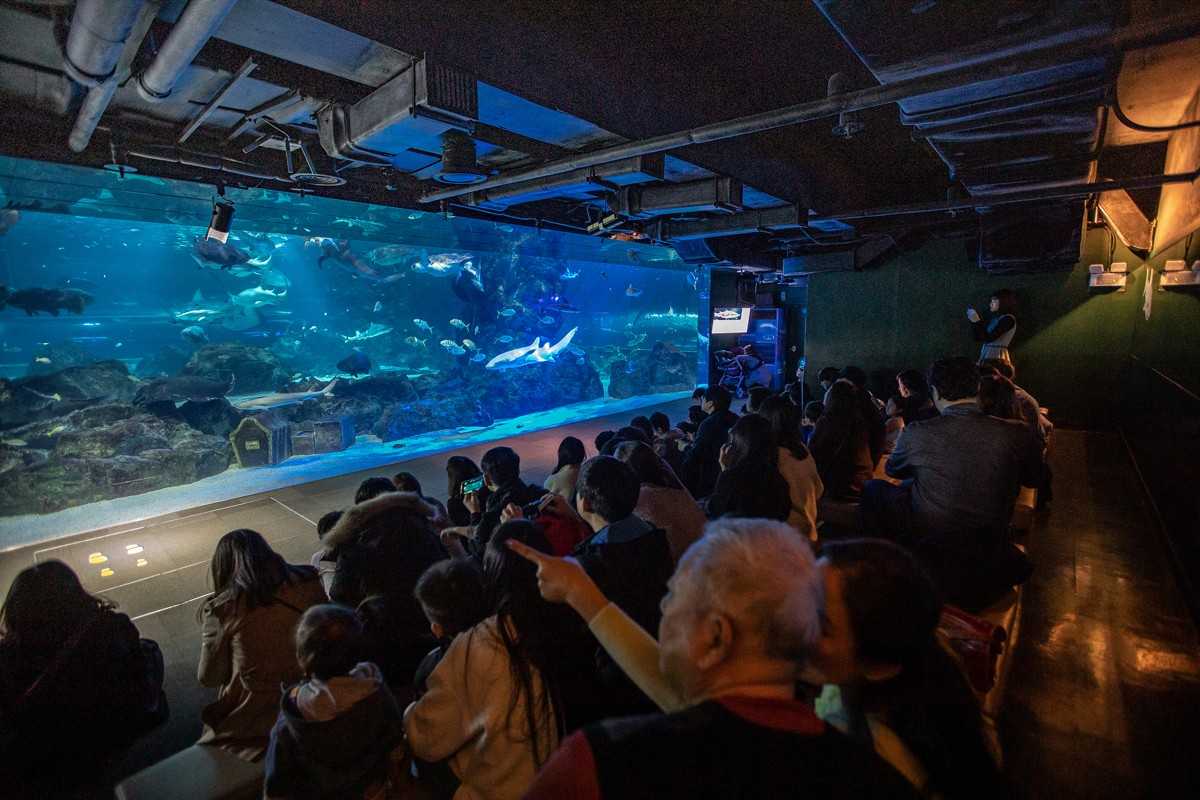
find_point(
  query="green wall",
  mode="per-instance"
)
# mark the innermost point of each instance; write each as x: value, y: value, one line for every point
x: 1072, y: 344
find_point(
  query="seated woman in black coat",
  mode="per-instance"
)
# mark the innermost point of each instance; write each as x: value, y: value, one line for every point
x: 841, y: 444
x: 75, y: 682
x: 750, y: 484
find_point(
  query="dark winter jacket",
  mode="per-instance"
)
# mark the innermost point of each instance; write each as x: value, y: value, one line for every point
x: 486, y: 521
x: 333, y: 738
x: 384, y: 546
x: 701, y: 460
x: 630, y: 561
x: 68, y: 706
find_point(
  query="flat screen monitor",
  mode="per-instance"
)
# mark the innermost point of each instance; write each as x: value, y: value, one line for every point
x: 731, y: 320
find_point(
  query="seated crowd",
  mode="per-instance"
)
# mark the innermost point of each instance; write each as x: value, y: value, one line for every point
x: 673, y: 616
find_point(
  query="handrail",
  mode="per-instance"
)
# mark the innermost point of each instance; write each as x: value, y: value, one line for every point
x: 1167, y: 378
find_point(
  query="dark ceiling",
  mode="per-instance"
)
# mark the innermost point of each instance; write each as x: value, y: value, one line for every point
x: 642, y: 69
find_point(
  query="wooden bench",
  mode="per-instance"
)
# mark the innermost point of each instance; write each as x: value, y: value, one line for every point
x: 200, y: 772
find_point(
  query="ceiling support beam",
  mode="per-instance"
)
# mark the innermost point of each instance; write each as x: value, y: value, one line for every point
x: 247, y: 67
x: 1106, y: 43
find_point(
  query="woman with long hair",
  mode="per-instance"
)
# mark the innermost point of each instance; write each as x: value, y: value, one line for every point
x: 491, y: 708
x: 662, y: 500
x: 796, y: 464
x: 75, y: 682
x: 840, y: 443
x: 750, y: 484
x: 459, y: 469
x: 246, y: 647
x: 897, y: 686
x: 571, y: 454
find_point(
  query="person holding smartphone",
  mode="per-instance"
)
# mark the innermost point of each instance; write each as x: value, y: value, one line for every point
x: 502, y: 480
x: 459, y: 471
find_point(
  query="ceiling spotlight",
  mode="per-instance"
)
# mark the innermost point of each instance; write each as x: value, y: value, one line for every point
x: 849, y: 122
x: 459, y: 166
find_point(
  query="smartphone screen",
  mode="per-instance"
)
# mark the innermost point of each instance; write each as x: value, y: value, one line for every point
x: 472, y: 484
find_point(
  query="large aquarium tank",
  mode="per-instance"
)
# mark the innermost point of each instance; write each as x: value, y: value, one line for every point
x: 135, y: 348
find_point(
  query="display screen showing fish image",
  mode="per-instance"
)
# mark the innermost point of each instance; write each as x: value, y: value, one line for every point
x: 731, y: 320
x: 402, y: 322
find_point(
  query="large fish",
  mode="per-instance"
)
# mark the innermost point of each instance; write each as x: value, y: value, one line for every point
x: 206, y: 252
x: 182, y: 387
x: 8, y: 218
x: 50, y: 301
x: 258, y: 297
x: 374, y: 330
x: 536, y: 353
x: 230, y: 316
x: 280, y: 399
x: 357, y: 363
x: 391, y: 255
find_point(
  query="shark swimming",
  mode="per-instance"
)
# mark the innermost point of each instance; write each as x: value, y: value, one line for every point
x: 536, y: 353
x: 281, y: 399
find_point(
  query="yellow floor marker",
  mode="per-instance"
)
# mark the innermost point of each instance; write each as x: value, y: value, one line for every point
x: 97, y: 558
x: 106, y: 572
x: 141, y: 562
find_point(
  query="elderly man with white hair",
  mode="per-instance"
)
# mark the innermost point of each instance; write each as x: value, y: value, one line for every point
x: 741, y: 618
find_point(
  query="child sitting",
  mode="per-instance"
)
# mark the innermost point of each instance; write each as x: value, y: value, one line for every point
x: 451, y: 592
x: 340, y: 732
x: 452, y: 596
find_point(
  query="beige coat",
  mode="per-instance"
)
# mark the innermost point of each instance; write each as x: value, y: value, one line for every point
x: 464, y: 717
x: 250, y: 657
x: 804, y: 488
x: 673, y: 510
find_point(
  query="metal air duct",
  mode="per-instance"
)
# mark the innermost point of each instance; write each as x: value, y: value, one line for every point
x: 195, y: 27
x: 403, y: 120
x: 99, y: 29
x: 711, y: 195
x: 39, y: 88
x: 98, y: 97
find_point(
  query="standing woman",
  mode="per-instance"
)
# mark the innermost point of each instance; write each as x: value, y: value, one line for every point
x: 997, y: 333
x: 246, y: 647
x: 562, y: 480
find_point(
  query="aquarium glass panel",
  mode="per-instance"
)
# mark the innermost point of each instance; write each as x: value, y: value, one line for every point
x: 138, y: 354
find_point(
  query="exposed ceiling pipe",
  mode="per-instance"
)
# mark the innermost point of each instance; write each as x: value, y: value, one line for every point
x: 1031, y: 194
x: 196, y: 25
x: 174, y: 155
x: 96, y: 102
x: 40, y: 88
x: 1106, y: 43
x: 99, y: 29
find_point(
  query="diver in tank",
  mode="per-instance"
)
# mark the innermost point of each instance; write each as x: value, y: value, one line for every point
x: 339, y: 250
x: 468, y: 287
x: 997, y: 333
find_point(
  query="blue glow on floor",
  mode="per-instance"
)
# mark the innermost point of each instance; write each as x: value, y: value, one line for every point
x: 366, y: 453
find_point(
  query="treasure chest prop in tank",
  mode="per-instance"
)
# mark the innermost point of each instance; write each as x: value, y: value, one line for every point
x: 322, y: 436
x: 261, y: 440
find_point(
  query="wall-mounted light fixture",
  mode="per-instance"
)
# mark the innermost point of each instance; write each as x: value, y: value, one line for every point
x: 1176, y: 274
x: 1106, y: 278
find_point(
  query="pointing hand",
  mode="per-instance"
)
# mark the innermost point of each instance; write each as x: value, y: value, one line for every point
x: 563, y: 580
